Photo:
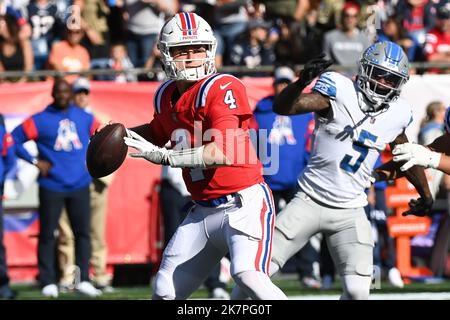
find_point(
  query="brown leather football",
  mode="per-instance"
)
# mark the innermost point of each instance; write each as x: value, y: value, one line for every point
x: 107, y: 150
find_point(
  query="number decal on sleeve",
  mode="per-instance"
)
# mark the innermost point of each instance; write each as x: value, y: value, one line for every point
x: 361, y: 148
x: 230, y: 100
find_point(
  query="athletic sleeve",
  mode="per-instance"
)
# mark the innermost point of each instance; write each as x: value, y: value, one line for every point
x: 157, y: 132
x: 326, y: 85
x: 23, y: 133
x: 227, y: 96
x: 229, y: 114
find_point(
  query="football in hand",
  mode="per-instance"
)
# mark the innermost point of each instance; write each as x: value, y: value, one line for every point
x: 107, y: 150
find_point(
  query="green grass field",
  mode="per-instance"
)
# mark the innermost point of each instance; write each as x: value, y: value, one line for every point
x: 289, y: 285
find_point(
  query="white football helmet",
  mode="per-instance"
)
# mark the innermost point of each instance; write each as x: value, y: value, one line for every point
x: 383, y: 70
x: 186, y: 29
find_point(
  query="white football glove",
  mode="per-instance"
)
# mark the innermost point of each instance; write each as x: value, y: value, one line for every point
x: 415, y: 154
x: 147, y: 150
x: 186, y: 158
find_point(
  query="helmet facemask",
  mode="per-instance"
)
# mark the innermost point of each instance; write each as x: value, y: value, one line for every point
x: 381, y: 82
x: 177, y: 69
x: 190, y: 31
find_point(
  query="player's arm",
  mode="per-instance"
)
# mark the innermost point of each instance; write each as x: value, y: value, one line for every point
x: 415, y: 175
x: 442, y: 145
x: 292, y: 101
x: 303, y: 103
x: 205, y: 156
x: 226, y: 111
x: 436, y: 155
x: 152, y: 132
x: 23, y: 133
x: 8, y: 152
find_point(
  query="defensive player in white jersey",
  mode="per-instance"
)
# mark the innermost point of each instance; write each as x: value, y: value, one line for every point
x: 354, y: 122
x: 436, y: 155
x: 208, y: 115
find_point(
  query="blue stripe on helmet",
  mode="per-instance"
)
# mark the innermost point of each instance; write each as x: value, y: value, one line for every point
x: 188, y: 22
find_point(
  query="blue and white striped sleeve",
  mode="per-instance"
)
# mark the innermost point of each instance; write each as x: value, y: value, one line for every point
x: 326, y: 85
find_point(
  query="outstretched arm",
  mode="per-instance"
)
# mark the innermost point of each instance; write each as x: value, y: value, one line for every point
x: 291, y: 101
x: 436, y: 155
x: 415, y: 175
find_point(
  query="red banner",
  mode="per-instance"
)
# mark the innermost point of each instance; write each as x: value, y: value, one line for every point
x: 132, y: 231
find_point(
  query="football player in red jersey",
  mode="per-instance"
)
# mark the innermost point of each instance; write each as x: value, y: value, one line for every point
x: 206, y: 116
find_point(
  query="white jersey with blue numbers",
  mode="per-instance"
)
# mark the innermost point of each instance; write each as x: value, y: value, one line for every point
x: 346, y: 144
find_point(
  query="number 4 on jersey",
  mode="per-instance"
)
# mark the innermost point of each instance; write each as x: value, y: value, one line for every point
x: 230, y: 100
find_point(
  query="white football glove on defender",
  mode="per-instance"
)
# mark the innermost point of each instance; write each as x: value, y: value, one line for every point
x: 187, y: 158
x: 415, y: 154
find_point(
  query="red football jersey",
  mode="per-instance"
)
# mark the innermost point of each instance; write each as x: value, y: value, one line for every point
x: 213, y: 109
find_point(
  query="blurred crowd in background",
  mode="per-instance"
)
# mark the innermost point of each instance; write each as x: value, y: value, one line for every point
x: 80, y: 35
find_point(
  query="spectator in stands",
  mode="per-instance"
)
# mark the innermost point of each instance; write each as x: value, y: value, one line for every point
x: 437, y: 47
x: 99, y: 197
x: 253, y: 49
x: 417, y: 17
x: 392, y: 30
x: 230, y: 20
x: 346, y: 45
x: 45, y: 21
x: 69, y: 55
x: 285, y: 10
x: 94, y: 17
x: 288, y: 138
x: 61, y: 132
x: 328, y: 13
x: 119, y: 60
x: 281, y: 38
x: 13, y: 9
x: 143, y: 23
x: 431, y: 127
x: 7, y: 161
x: 175, y: 204
x: 16, y: 53
x: 306, y: 38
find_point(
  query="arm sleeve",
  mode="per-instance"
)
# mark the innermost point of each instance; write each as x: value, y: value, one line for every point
x: 326, y: 85
x: 157, y: 132
x: 8, y: 152
x: 94, y: 125
x: 23, y: 133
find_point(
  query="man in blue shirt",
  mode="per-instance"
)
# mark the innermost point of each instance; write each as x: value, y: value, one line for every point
x: 290, y: 135
x: 61, y: 132
x: 7, y: 161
